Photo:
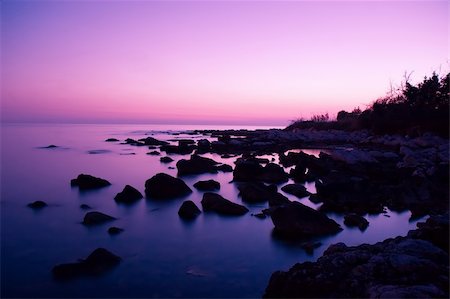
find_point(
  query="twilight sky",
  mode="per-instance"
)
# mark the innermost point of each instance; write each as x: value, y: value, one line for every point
x: 208, y: 61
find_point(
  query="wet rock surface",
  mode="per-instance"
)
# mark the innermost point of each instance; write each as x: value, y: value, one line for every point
x: 86, y: 182
x: 164, y: 186
x: 189, y: 210
x: 209, y: 185
x: 98, y: 262
x: 216, y: 203
x: 128, y: 195
x: 403, y: 267
x: 96, y: 218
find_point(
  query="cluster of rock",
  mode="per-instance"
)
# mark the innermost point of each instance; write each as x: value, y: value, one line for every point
x: 416, y: 266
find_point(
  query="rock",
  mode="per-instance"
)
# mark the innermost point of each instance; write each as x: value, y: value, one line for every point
x: 51, y: 146
x: 196, y: 165
x: 97, y: 263
x: 189, y: 210
x: 164, y: 186
x: 85, y: 207
x: 154, y: 153
x: 115, y: 230
x: 295, y: 220
x: 165, y: 159
x: 273, y: 173
x: 134, y: 142
x: 215, y: 202
x: 94, y: 218
x: 98, y: 152
x: 353, y: 220
x: 86, y: 182
x: 310, y: 246
x: 251, y: 170
x: 203, y: 145
x: 435, y: 230
x: 256, y: 192
x: 153, y: 141
x: 209, y: 185
x: 128, y: 195
x: 111, y: 140
x: 38, y: 204
x: 259, y: 215
x: 225, y: 168
x: 177, y: 149
x: 296, y: 189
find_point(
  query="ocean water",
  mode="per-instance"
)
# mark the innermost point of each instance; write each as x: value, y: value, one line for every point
x: 163, y: 256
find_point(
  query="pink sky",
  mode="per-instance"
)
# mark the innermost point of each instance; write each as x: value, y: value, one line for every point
x: 210, y: 62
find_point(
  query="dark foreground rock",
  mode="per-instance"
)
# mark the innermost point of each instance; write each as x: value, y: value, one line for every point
x: 97, y: 263
x: 209, y: 185
x: 353, y: 220
x: 165, y: 159
x: 189, y: 210
x: 251, y: 170
x: 128, y: 195
x: 86, y: 182
x: 216, y: 203
x: 38, y: 204
x: 152, y: 141
x: 295, y: 220
x: 95, y: 218
x: 296, y: 189
x: 257, y: 192
x: 403, y: 267
x: 164, y: 186
x: 115, y: 230
x: 111, y: 140
x: 196, y: 165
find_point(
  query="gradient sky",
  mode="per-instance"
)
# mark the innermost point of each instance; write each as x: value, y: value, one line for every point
x: 208, y: 61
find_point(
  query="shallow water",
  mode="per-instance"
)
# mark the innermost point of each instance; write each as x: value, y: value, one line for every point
x: 163, y: 256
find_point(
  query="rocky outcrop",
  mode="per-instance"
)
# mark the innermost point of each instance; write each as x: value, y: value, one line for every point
x: 112, y: 140
x: 97, y: 263
x: 189, y: 210
x: 295, y: 220
x: 181, y: 149
x: 164, y: 186
x: 251, y: 170
x: 216, y: 203
x: 152, y: 141
x: 403, y: 267
x: 209, y: 185
x: 128, y: 195
x: 257, y: 192
x: 355, y: 220
x: 95, y: 218
x: 196, y: 165
x: 165, y: 159
x: 296, y: 189
x: 86, y: 182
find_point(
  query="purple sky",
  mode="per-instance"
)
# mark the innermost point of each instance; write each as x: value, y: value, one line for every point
x: 210, y: 62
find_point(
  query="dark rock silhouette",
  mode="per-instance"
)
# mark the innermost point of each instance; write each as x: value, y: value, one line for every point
x: 209, y: 185
x: 131, y: 141
x: 215, y: 202
x: 295, y: 220
x: 152, y: 141
x: 111, y: 140
x: 86, y: 182
x: 183, y: 149
x: 115, y: 230
x: 296, y: 189
x: 254, y: 192
x: 95, y: 218
x: 196, y: 165
x: 164, y: 186
x: 85, y: 207
x: 38, y: 204
x: 165, y: 159
x: 97, y: 263
x: 51, y: 146
x: 251, y: 170
x: 154, y: 153
x: 353, y: 220
x: 188, y: 210
x: 128, y: 195
x: 224, y: 168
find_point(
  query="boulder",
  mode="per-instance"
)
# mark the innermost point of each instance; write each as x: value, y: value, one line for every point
x: 216, y: 203
x: 86, y: 182
x: 154, y: 153
x: 38, y: 204
x: 131, y: 141
x: 152, y: 141
x: 97, y: 263
x: 94, y: 218
x: 128, y: 195
x: 247, y: 170
x: 189, y: 210
x: 352, y: 220
x: 209, y: 185
x: 203, y: 145
x: 115, y: 230
x: 224, y: 168
x: 165, y: 159
x: 273, y: 173
x: 196, y: 165
x: 164, y: 186
x: 111, y: 140
x: 296, y: 189
x: 177, y: 149
x: 295, y: 220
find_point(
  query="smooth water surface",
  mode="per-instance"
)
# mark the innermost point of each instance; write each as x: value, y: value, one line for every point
x: 163, y: 256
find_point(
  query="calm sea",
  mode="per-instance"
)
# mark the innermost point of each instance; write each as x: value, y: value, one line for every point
x: 163, y: 256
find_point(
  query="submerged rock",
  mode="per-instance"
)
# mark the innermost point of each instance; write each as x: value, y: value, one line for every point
x: 296, y: 189
x: 128, y: 195
x: 111, y: 140
x: 189, y: 210
x: 215, y: 202
x: 164, y: 186
x: 97, y: 263
x: 131, y: 141
x: 115, y: 230
x: 86, y: 182
x: 295, y: 220
x: 38, y: 204
x: 209, y: 185
x: 196, y: 165
x: 94, y: 218
x: 353, y: 220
